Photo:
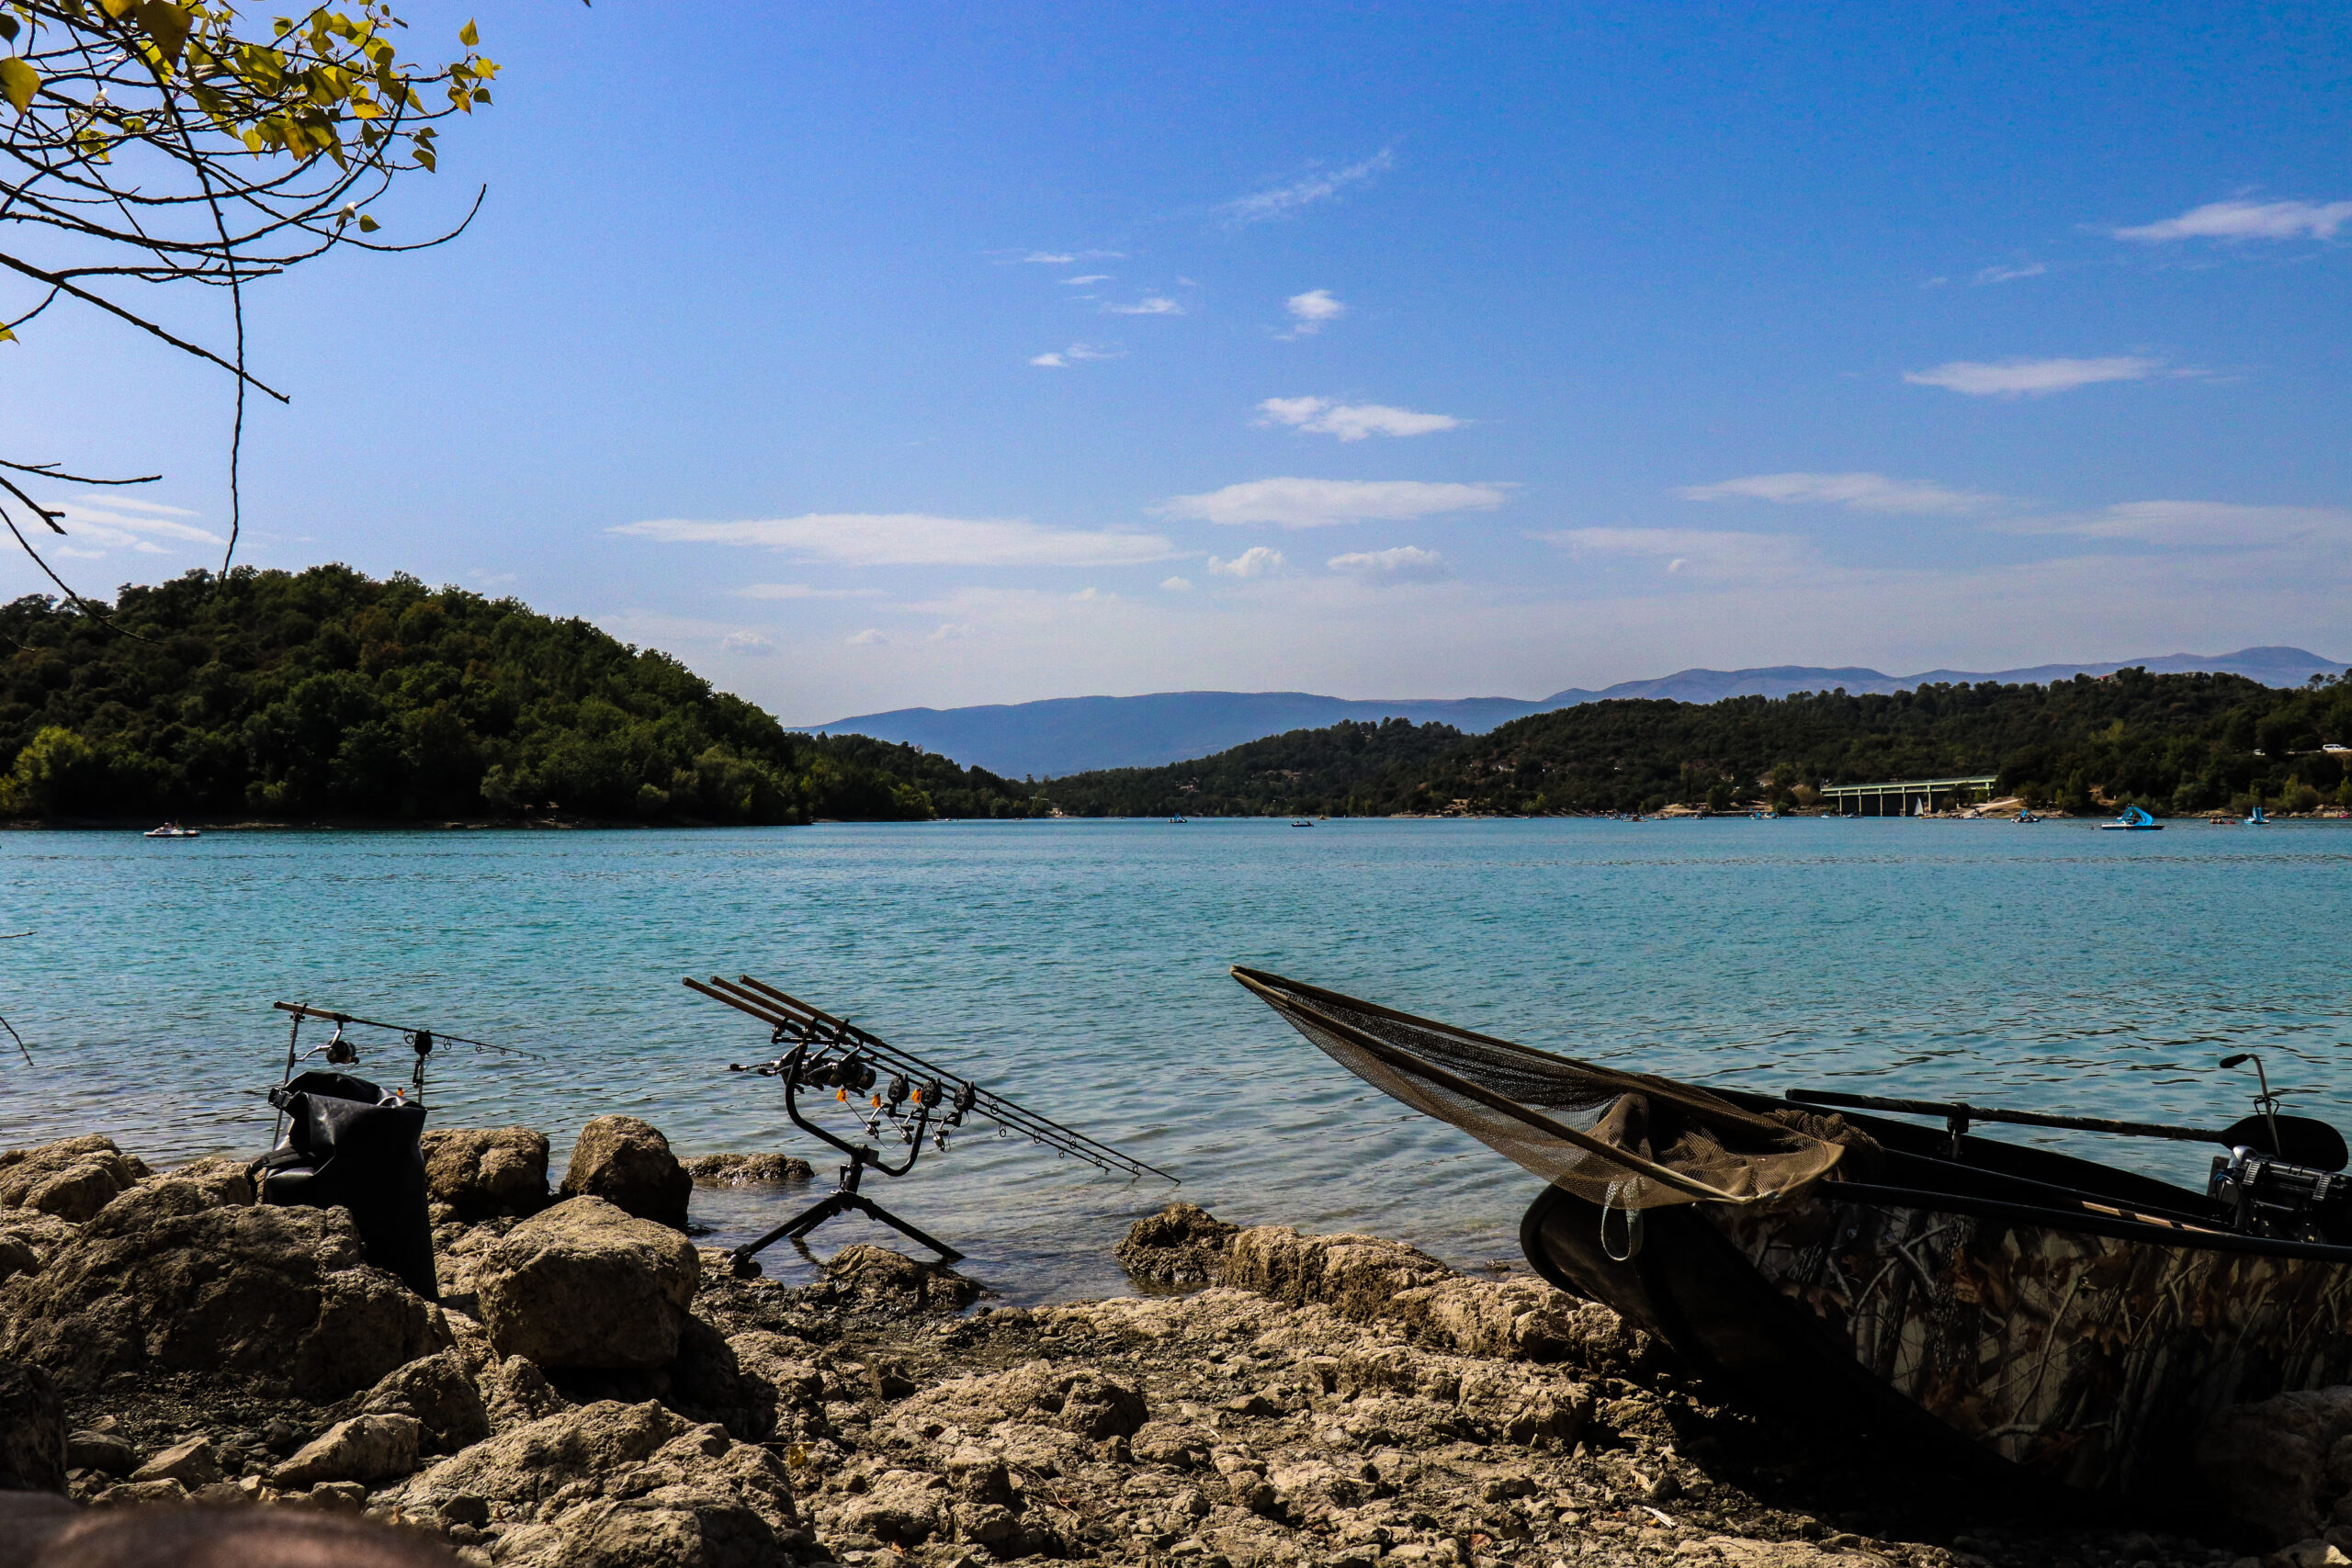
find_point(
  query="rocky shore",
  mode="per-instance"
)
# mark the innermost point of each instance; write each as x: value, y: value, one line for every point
x: 593, y: 1389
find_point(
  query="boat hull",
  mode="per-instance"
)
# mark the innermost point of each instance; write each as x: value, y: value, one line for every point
x: 2085, y: 1353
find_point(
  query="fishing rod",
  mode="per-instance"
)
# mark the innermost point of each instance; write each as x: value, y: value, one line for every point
x: 793, y: 1020
x: 340, y: 1052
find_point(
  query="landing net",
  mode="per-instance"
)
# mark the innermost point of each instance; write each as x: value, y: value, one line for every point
x: 1654, y: 1142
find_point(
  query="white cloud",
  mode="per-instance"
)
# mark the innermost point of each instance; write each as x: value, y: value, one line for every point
x: 2210, y: 525
x: 1351, y: 422
x: 912, y: 539
x: 2032, y: 377
x: 2010, y: 273
x: 869, y: 638
x: 120, y: 521
x: 1050, y: 258
x: 1404, y: 564
x: 1255, y: 562
x: 1077, y: 353
x: 801, y: 591
x: 1311, y: 310
x: 1151, y: 305
x: 2247, y: 220
x: 1864, y: 492
x: 1090, y: 277
x: 1176, y: 584
x: 750, y: 644
x: 951, y: 631
x: 1693, y: 551
x: 1281, y: 201
x: 1316, y: 503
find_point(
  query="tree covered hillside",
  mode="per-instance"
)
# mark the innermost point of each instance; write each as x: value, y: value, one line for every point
x: 325, y: 694
x: 2173, y: 743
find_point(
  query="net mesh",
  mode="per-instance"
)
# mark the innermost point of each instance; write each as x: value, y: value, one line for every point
x: 1625, y: 1140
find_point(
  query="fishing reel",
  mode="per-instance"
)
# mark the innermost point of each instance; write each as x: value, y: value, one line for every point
x: 2293, y: 1187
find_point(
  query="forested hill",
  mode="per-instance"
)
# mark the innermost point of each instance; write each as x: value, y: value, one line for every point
x: 327, y: 694
x: 2173, y: 743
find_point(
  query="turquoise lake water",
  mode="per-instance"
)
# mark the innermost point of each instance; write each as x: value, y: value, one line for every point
x: 1080, y: 967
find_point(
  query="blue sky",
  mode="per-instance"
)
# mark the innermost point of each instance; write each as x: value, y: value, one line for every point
x: 880, y: 355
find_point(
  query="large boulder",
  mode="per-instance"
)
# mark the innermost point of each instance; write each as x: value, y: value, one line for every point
x: 748, y: 1170
x: 617, y: 1484
x: 483, y: 1172
x: 365, y: 1448
x: 439, y: 1392
x: 73, y: 1178
x: 1181, y: 1244
x: 2274, y: 1463
x: 585, y: 1284
x: 29, y: 1238
x: 32, y: 1431
x: 876, y: 1279
x: 280, y: 1297
x: 628, y: 1163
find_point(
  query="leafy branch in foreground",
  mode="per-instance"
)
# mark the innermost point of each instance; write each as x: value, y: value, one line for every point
x: 154, y: 142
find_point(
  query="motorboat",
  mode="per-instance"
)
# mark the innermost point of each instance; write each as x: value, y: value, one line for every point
x: 2053, y: 1320
x: 2133, y: 821
x: 174, y: 830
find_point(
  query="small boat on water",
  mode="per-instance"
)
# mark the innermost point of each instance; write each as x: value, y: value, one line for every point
x: 2026, y: 816
x: 1302, y: 822
x: 2255, y: 818
x: 173, y: 830
x: 2051, y: 1318
x: 2221, y: 819
x: 2133, y: 821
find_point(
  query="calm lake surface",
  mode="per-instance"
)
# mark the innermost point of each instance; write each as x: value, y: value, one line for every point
x: 1080, y: 967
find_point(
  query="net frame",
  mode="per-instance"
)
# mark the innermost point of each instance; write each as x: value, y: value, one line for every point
x: 1498, y: 1091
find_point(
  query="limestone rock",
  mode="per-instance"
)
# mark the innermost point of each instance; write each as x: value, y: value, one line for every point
x: 519, y: 1394
x: 29, y: 1238
x: 584, y: 1284
x: 73, y: 1178
x: 32, y: 1431
x: 438, y: 1390
x: 1181, y: 1244
x: 365, y: 1448
x: 101, y: 1451
x: 252, y: 1538
x: 748, y: 1170
x: 2266, y: 1463
x: 483, y: 1171
x: 190, y: 1462
x: 903, y: 1507
x: 191, y: 1190
x: 609, y: 1482
x: 876, y: 1277
x: 1067, y: 1396
x: 628, y: 1163
x: 280, y: 1296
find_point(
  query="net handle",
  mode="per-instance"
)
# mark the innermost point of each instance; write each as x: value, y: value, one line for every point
x: 1420, y: 1068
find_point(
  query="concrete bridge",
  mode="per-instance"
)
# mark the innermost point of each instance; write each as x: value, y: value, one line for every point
x: 1902, y: 796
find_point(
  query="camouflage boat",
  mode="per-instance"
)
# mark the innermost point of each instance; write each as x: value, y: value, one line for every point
x: 2015, y: 1307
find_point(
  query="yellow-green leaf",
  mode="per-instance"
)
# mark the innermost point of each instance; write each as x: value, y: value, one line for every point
x: 467, y: 35
x: 367, y: 225
x: 166, y: 24
x: 6, y: 336
x: 19, y: 83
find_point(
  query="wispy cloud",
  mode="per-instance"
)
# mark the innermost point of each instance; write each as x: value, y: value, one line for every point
x: 801, y: 591
x: 748, y: 644
x: 2009, y: 274
x: 912, y: 539
x: 2033, y: 378
x: 1077, y: 353
x: 1864, y: 492
x: 1176, y: 584
x: 1694, y: 552
x: 1090, y: 277
x: 1321, y: 184
x: 2247, y: 220
x: 1351, y: 422
x: 870, y: 637
x: 1052, y: 258
x: 1310, y: 312
x: 1151, y: 305
x: 2211, y: 525
x: 1406, y: 563
x: 1255, y: 562
x: 1316, y: 503
x: 120, y: 521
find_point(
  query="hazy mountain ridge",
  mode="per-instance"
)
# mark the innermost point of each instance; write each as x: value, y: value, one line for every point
x: 1071, y: 735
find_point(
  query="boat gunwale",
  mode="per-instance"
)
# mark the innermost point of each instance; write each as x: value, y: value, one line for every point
x: 1874, y: 1193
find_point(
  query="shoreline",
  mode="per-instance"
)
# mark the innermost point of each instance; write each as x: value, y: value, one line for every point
x: 1261, y: 1397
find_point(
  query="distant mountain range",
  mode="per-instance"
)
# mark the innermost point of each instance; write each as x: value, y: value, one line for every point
x: 1074, y: 735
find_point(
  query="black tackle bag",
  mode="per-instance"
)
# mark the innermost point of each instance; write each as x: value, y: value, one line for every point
x: 348, y: 1145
